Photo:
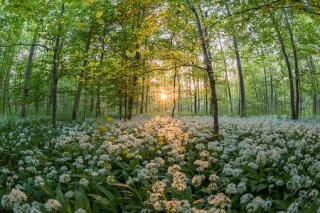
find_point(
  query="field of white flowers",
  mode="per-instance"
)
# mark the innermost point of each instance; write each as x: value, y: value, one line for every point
x: 160, y: 165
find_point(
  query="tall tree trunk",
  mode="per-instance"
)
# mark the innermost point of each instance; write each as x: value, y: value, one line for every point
x: 142, y: 95
x: 80, y: 83
x: 266, y: 95
x: 272, y: 102
x: 174, y: 92
x: 131, y: 96
x: 6, y: 86
x: 314, y: 94
x: 240, y: 72
x: 241, y: 79
x: 55, y: 69
x: 254, y: 85
x: 6, y: 92
x: 179, y: 95
x: 126, y: 102
x: 206, y: 93
x: 1, y: 86
x: 98, y: 101
x: 226, y: 75
x: 209, y: 69
x: 25, y: 94
x: 198, y: 95
x: 133, y: 88
x: 195, y: 94
x: 290, y: 75
x: 296, y: 65
x: 146, y: 103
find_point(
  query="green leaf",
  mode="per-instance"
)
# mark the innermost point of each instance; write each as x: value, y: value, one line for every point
x: 261, y: 187
x: 88, y: 2
x: 99, y: 14
x: 65, y: 206
x: 131, y: 54
x: 81, y: 201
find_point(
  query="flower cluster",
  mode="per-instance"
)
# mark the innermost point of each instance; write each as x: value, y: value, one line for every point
x: 161, y: 164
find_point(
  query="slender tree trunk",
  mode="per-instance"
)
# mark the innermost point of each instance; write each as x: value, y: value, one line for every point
x: 55, y: 69
x: 98, y: 101
x: 240, y: 72
x: 254, y: 85
x: 126, y: 102
x: 133, y: 88
x: 179, y: 95
x: 314, y: 94
x: 174, y: 92
x: 266, y: 95
x: 206, y: 93
x: 131, y: 96
x: 98, y: 89
x: 198, y: 95
x: 286, y: 58
x: 226, y: 75
x: 80, y: 83
x: 241, y: 79
x: 92, y: 101
x: 6, y: 92
x: 25, y: 94
x: 146, y: 103
x: 120, y: 104
x: 85, y: 103
x: 195, y: 95
x: 272, y: 103
x: 209, y: 69
x: 296, y: 66
x: 142, y: 95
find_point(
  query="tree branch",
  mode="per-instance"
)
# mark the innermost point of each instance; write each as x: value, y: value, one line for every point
x: 244, y: 11
x: 22, y: 44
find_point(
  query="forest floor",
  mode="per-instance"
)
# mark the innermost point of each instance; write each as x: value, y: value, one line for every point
x: 260, y: 164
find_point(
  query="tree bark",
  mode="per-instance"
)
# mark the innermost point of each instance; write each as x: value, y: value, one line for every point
x: 226, y: 75
x: 272, y: 102
x: 174, y: 92
x: 296, y: 65
x: 314, y: 94
x: 80, y: 83
x: 6, y: 92
x: 289, y: 69
x: 25, y: 94
x: 55, y: 69
x: 209, y: 69
x: 266, y: 95
x: 142, y: 95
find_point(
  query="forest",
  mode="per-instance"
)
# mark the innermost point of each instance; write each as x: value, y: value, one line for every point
x: 159, y: 105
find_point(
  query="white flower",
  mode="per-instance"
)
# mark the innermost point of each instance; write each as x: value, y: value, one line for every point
x: 83, y: 182
x: 69, y: 194
x: 246, y: 198
x: 39, y: 181
x: 52, y: 205
x: 231, y: 188
x: 15, y: 197
x: 80, y: 211
x: 241, y: 188
x: 64, y: 178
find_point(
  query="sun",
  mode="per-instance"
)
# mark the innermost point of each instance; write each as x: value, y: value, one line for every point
x: 163, y: 96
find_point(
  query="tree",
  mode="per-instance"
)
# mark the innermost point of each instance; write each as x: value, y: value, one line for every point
x: 208, y: 67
